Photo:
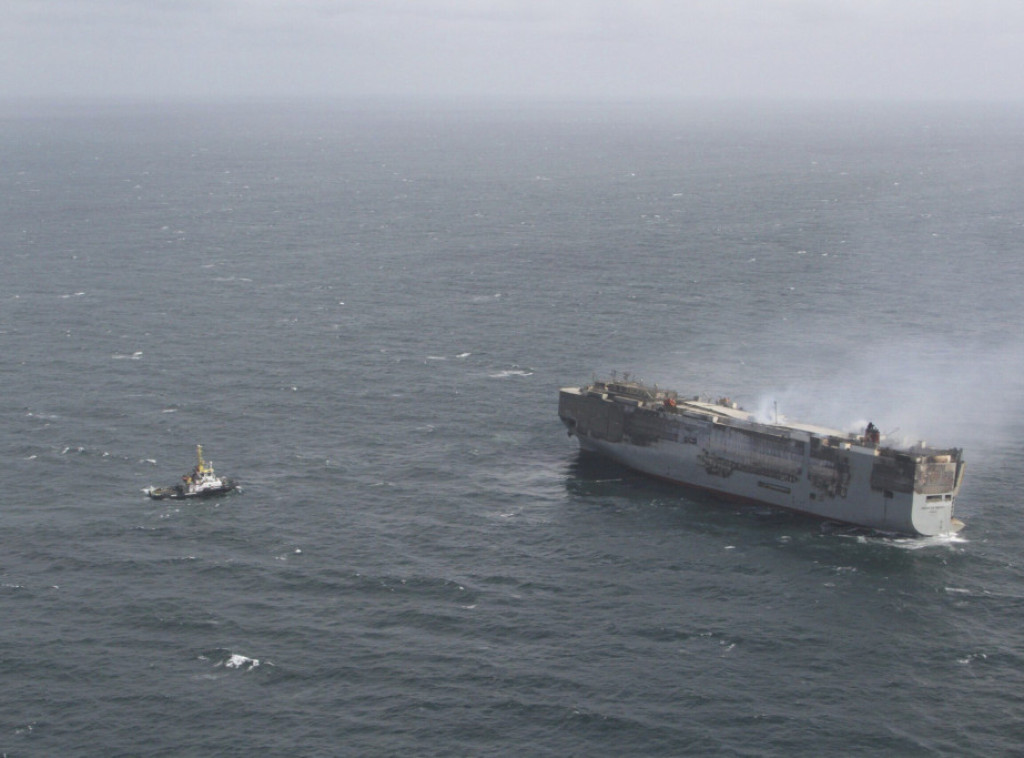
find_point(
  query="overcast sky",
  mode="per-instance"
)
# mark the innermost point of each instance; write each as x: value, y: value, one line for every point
x: 905, y: 49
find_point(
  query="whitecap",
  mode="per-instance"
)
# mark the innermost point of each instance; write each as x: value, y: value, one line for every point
x: 917, y: 543
x: 237, y: 661
x: 971, y: 658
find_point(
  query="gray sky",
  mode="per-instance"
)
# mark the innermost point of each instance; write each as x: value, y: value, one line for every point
x: 906, y: 49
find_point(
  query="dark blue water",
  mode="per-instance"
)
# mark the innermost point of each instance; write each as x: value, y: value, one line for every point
x: 364, y: 313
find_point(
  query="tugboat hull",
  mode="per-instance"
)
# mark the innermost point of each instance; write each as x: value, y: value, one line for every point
x: 181, y: 492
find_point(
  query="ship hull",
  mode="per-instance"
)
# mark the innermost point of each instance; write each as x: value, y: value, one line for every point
x: 182, y: 492
x: 722, y: 451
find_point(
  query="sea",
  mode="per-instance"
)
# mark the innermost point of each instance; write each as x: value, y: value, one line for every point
x: 364, y: 311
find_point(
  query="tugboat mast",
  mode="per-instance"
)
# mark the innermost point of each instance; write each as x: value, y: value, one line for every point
x: 202, y: 467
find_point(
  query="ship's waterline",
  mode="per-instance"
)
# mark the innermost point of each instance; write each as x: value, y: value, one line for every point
x: 722, y: 449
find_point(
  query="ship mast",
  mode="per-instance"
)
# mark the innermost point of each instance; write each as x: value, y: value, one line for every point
x: 203, y: 467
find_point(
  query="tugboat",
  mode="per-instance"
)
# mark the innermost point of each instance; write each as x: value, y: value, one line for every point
x: 200, y: 482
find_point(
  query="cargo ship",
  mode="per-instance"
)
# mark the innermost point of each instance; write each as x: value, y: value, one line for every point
x: 717, y: 447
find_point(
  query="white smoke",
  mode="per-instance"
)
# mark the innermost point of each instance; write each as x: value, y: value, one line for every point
x: 969, y: 396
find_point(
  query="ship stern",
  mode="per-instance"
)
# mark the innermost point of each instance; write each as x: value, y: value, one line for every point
x: 937, y: 478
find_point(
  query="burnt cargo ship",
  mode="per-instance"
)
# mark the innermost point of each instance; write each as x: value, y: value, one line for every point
x: 718, y: 447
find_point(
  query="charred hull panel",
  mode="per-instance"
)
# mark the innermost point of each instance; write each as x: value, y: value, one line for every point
x: 721, y: 449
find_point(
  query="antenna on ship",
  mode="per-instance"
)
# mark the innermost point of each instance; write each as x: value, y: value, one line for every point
x: 776, y: 403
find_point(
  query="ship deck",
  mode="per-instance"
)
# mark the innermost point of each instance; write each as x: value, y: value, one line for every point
x: 783, y: 426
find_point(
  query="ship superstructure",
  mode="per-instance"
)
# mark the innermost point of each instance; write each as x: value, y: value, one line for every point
x: 722, y: 449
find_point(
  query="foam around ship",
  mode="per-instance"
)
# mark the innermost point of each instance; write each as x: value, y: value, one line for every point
x: 202, y: 481
x: 719, y: 448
